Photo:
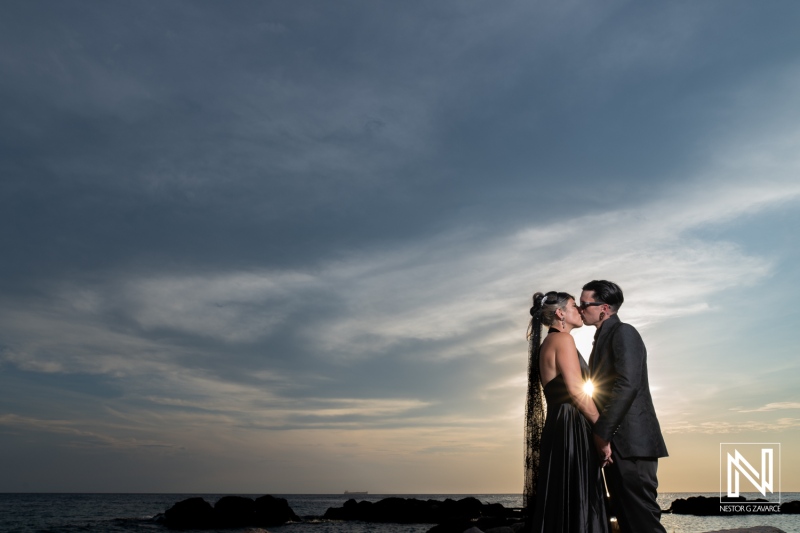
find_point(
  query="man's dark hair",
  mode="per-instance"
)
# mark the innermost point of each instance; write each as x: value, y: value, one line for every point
x: 607, y: 292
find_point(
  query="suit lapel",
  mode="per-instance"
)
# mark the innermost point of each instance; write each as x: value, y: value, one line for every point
x: 600, y: 341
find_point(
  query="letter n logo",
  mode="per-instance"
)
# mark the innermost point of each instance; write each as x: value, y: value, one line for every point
x: 741, y: 460
x: 739, y: 465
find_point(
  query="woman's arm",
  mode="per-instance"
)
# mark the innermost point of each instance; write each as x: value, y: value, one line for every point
x: 567, y: 363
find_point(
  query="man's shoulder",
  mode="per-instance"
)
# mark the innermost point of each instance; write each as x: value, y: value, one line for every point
x: 616, y: 323
x: 625, y: 332
x: 625, y: 327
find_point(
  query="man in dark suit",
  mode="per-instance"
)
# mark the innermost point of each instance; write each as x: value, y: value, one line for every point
x: 627, y: 434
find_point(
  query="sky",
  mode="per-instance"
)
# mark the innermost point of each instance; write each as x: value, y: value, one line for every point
x: 290, y: 247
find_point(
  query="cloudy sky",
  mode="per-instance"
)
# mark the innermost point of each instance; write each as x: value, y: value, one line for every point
x: 279, y: 247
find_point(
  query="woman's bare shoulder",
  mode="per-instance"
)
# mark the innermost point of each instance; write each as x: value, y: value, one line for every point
x: 561, y: 339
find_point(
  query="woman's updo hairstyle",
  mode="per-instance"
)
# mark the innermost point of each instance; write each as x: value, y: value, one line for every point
x: 544, y: 307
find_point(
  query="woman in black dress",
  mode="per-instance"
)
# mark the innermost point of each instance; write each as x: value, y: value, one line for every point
x: 563, y: 485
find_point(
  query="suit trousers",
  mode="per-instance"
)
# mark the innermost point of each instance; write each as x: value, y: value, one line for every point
x: 633, y: 486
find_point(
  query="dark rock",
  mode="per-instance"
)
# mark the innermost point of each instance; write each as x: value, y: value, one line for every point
x: 400, y: 510
x: 790, y: 507
x: 234, y: 511
x: 459, y: 525
x: 496, y: 509
x: 470, y: 507
x: 194, y: 513
x: 711, y: 506
x: 696, y: 505
x: 228, y: 512
x: 490, y: 522
x: 349, y: 511
x: 362, y: 508
x: 412, y: 510
x: 271, y: 511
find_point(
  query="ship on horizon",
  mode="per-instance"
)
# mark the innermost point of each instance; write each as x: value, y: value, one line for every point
x: 357, y: 492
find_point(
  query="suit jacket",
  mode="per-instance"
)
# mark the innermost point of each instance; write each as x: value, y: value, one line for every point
x: 618, y: 369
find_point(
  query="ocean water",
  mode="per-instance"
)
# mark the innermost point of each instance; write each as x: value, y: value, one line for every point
x: 134, y: 513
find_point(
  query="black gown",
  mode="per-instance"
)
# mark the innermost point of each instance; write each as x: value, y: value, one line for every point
x: 569, y: 493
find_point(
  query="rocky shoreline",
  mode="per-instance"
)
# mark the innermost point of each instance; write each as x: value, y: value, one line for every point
x: 451, y: 516
x: 710, y: 506
x: 467, y: 515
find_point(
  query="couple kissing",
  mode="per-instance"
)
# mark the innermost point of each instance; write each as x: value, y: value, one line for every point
x: 589, y: 441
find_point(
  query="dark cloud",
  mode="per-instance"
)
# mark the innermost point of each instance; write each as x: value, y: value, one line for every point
x: 268, y: 134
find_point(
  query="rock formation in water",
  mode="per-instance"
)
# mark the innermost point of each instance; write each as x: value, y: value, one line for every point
x: 229, y: 512
x: 451, y: 516
x: 711, y: 506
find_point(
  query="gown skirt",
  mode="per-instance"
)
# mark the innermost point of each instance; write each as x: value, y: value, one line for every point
x: 569, y: 494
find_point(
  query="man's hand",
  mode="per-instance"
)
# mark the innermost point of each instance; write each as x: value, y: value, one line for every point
x: 603, y: 450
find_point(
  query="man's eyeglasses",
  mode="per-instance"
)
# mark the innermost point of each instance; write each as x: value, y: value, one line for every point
x: 585, y: 305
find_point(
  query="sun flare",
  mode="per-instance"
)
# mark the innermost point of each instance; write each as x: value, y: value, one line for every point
x: 588, y: 387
